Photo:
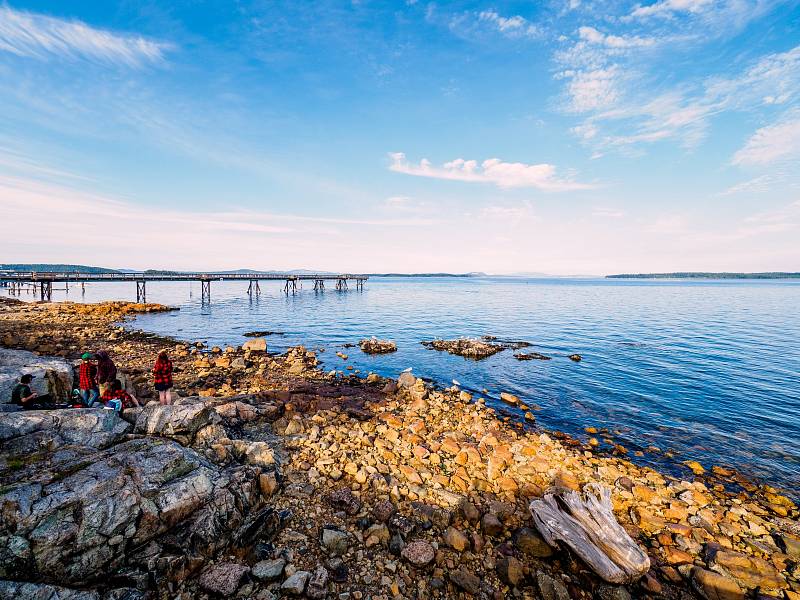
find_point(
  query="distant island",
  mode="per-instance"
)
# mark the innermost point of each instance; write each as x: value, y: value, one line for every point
x: 61, y: 268
x: 54, y: 268
x: 702, y: 275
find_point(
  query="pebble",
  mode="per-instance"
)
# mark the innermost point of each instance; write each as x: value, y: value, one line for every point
x: 296, y: 584
x: 491, y: 525
x: 551, y: 589
x: 419, y: 553
x: 267, y: 570
x: 466, y: 580
x: 510, y: 571
x: 530, y: 543
x: 456, y: 539
x: 223, y: 578
x: 335, y: 542
x: 318, y: 583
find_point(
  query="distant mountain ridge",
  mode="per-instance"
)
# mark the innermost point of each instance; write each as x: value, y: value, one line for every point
x: 709, y: 275
x: 54, y: 268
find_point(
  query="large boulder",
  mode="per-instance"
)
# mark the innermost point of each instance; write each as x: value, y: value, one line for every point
x: 181, y: 421
x: 29, y: 435
x: 52, y: 376
x: 147, y: 505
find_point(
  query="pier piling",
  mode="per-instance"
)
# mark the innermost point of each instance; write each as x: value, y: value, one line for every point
x: 141, y: 292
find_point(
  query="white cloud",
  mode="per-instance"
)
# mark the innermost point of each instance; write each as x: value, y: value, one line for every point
x: 620, y: 116
x: 592, y: 70
x: 593, y: 36
x: 42, y: 37
x: 594, y: 90
x: 586, y: 131
x: 774, y: 79
x: 784, y: 176
x: 515, y: 26
x: 667, y: 8
x: 771, y: 143
x: 493, y: 170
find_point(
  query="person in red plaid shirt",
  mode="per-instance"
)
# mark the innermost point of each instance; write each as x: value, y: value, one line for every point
x: 162, y: 376
x: 115, y: 392
x: 87, y: 380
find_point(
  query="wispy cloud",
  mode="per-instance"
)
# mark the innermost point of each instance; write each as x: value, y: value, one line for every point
x: 597, y: 89
x: 593, y: 36
x: 474, y: 24
x: 514, y: 26
x: 773, y: 142
x: 493, y: 170
x: 591, y: 68
x: 667, y: 8
x: 42, y: 37
x: 620, y: 114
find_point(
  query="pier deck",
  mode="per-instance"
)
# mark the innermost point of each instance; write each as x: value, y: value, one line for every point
x: 43, y: 282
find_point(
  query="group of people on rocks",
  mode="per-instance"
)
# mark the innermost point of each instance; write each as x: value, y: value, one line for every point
x: 98, y: 385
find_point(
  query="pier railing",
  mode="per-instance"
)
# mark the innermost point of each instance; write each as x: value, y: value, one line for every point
x: 43, y: 281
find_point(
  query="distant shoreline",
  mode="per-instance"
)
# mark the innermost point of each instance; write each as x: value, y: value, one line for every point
x: 689, y: 275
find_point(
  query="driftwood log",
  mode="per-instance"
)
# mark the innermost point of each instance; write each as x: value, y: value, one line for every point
x: 588, y: 526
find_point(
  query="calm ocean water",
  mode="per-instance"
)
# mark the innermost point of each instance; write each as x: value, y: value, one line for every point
x: 709, y: 370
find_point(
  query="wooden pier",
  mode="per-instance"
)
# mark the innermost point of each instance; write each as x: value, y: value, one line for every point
x: 42, y: 283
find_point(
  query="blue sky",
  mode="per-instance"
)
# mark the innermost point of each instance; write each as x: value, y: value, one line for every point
x: 564, y: 137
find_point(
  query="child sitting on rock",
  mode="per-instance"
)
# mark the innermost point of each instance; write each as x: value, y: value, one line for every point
x: 117, y: 398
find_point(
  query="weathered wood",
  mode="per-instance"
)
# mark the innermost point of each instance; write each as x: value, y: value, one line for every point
x: 588, y: 526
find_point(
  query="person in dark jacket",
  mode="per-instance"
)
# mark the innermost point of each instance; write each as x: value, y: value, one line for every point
x: 23, y: 396
x: 106, y: 371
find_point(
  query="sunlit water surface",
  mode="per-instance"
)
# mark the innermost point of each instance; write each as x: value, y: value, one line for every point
x: 707, y: 370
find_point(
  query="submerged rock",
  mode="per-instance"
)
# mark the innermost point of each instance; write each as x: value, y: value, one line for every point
x: 509, y: 398
x: 469, y: 348
x: 256, y: 334
x: 530, y: 356
x: 376, y: 346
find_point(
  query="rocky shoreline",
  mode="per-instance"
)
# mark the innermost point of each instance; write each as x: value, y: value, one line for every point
x: 271, y: 478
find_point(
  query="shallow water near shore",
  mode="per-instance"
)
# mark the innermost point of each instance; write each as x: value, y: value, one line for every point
x: 709, y: 370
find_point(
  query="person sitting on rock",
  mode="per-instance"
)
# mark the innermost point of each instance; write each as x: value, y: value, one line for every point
x: 162, y: 376
x: 23, y: 396
x: 117, y: 398
x: 106, y: 370
x: 87, y: 380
